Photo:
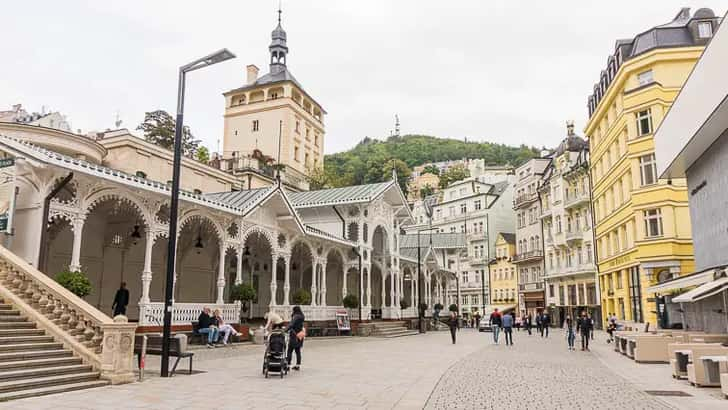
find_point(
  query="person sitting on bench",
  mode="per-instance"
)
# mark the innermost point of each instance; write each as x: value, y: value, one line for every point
x: 224, y: 328
x: 208, y: 326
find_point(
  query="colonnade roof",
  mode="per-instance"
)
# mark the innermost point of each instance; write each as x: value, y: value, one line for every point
x: 339, y: 196
x: 439, y: 240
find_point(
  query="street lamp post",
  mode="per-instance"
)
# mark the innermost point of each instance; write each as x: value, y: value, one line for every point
x: 420, y: 282
x: 209, y: 60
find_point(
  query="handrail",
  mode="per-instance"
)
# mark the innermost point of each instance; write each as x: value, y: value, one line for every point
x: 107, y: 344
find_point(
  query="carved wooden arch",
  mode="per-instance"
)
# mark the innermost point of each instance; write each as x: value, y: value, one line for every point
x: 94, y: 199
x: 267, y: 234
x: 196, y: 215
x: 311, y: 247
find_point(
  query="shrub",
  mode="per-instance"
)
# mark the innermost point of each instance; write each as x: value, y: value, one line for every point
x: 76, y: 282
x: 244, y: 292
x: 453, y: 308
x: 351, y: 302
x: 302, y: 297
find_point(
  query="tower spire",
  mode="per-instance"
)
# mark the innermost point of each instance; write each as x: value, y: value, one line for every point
x: 278, y: 48
x: 279, y: 12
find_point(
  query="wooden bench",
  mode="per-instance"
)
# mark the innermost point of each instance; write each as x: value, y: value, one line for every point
x: 154, y: 347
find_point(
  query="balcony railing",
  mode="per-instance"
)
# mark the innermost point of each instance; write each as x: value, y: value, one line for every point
x: 524, y: 199
x: 575, y: 235
x: 545, y: 213
x: 576, y: 199
x: 524, y: 287
x: 528, y: 256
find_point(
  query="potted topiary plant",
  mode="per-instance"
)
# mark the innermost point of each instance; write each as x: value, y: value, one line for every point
x: 75, y: 281
x: 350, y: 302
x: 245, y: 293
x: 403, y: 303
x: 302, y: 297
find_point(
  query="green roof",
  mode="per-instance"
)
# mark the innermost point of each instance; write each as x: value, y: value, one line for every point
x: 338, y: 196
x: 239, y: 199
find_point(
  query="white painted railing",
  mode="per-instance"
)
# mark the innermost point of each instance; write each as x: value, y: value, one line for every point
x: 152, y: 314
x: 310, y: 312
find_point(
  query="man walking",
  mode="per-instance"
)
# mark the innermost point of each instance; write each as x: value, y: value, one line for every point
x: 507, y: 323
x: 121, y: 300
x: 477, y: 321
x: 495, y: 323
x: 584, y: 327
x: 529, y: 323
x: 545, y: 323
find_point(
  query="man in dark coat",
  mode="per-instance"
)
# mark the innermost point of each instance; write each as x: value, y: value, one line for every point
x: 121, y: 299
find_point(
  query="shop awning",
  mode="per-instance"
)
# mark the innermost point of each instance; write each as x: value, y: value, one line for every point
x: 687, y: 281
x: 703, y: 291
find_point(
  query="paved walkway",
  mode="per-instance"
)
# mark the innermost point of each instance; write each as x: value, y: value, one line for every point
x: 424, y: 371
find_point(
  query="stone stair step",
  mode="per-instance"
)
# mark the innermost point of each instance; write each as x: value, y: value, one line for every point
x: 22, y: 339
x: 63, y: 388
x: 12, y: 318
x: 9, y: 312
x: 35, y: 372
x: 33, y: 354
x: 30, y: 346
x: 24, y: 331
x: 399, y: 334
x: 43, y: 362
x: 16, y: 385
x: 17, y: 325
x: 4, y: 306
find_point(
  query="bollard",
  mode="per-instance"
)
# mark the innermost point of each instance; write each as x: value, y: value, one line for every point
x: 143, y: 358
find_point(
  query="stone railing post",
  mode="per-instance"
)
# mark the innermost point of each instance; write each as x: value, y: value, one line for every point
x: 117, y: 351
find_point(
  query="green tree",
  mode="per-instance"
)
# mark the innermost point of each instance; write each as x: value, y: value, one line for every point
x: 426, y: 191
x: 453, y: 174
x: 158, y: 127
x: 202, y: 154
x: 403, y: 173
x: 431, y: 169
x: 317, y: 178
x: 245, y: 293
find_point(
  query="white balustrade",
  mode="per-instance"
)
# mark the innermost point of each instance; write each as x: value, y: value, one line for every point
x: 152, y: 314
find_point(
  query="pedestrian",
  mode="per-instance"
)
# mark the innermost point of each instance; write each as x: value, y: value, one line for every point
x: 584, y: 328
x: 296, y: 334
x: 495, y: 324
x: 570, y: 336
x: 539, y: 323
x: 507, y: 324
x: 453, y: 323
x: 545, y: 323
x: 529, y: 323
x: 477, y: 320
x: 591, y: 321
x: 121, y: 300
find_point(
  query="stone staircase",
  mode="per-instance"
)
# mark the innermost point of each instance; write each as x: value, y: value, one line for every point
x: 33, y: 363
x: 390, y: 329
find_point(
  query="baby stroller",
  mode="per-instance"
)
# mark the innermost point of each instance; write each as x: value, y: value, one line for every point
x: 274, y: 360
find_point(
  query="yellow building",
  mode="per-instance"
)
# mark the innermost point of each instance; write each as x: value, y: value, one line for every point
x: 421, y: 181
x: 642, y: 223
x: 503, y: 277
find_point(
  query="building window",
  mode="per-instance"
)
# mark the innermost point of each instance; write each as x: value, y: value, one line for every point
x: 315, y: 140
x: 141, y: 174
x: 644, y: 122
x: 256, y: 125
x: 653, y: 222
x: 477, y: 205
x: 306, y: 161
x: 705, y: 29
x: 296, y: 154
x: 197, y: 191
x: 645, y: 77
x: 463, y: 208
x: 648, y: 169
x: 308, y: 132
x: 298, y: 127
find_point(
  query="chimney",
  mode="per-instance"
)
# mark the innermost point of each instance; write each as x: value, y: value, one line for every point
x: 252, y: 73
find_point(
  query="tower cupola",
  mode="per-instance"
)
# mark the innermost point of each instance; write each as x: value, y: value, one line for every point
x: 278, y: 48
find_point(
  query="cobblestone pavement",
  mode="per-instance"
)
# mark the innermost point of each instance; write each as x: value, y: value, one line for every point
x: 404, y: 373
x: 536, y: 373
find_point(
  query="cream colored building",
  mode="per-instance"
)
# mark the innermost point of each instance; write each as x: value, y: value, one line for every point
x: 272, y: 112
x: 503, y: 275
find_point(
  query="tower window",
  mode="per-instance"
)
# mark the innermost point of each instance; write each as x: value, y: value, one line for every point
x: 644, y: 122
x: 306, y: 160
x: 308, y: 131
x: 315, y: 140
x: 705, y: 29
x: 298, y: 127
x: 256, y: 125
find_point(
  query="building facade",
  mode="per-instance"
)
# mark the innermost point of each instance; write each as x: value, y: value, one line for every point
x: 642, y: 223
x: 272, y: 116
x: 504, y: 275
x: 529, y: 247
x: 570, y: 270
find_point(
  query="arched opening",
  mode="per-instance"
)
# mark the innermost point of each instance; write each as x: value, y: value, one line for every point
x: 257, y: 267
x: 113, y: 240
x: 198, y: 261
x: 301, y: 268
x: 334, y: 278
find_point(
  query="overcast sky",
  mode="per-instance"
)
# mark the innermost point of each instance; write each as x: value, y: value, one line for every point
x: 502, y: 71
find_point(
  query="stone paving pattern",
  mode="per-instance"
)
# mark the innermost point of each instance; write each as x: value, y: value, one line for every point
x: 424, y: 371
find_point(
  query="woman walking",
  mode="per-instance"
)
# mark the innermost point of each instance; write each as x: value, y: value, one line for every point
x: 570, y: 336
x: 296, y: 334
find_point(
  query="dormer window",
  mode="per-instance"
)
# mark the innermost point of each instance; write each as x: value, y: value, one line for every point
x: 705, y: 29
